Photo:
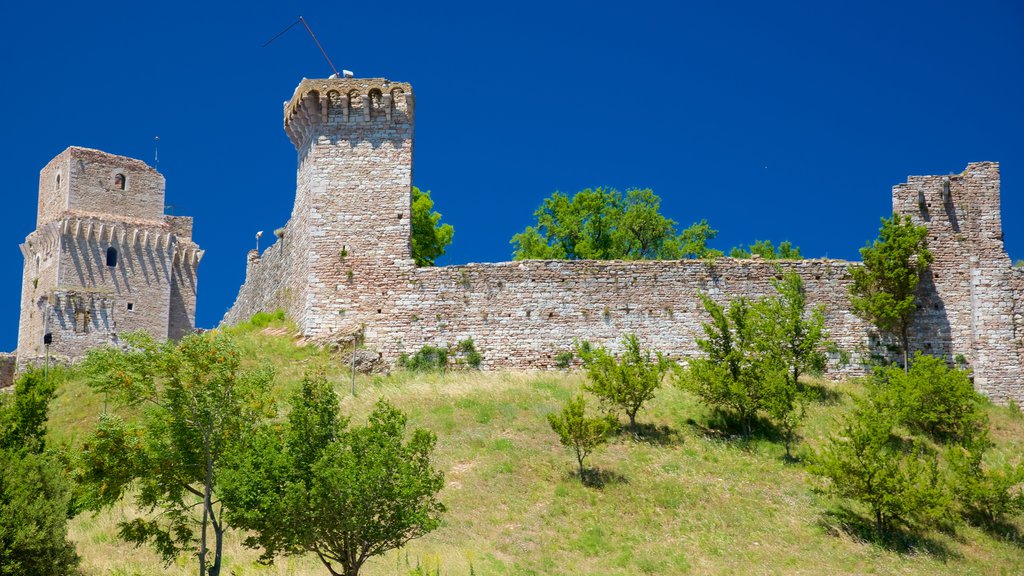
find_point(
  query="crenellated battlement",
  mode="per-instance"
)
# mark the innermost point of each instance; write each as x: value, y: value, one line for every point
x: 345, y: 101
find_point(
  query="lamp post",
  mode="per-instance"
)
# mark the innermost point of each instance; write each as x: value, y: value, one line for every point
x: 258, y: 235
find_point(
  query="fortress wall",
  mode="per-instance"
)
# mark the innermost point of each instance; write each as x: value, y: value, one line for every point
x: 41, y: 252
x: 523, y: 314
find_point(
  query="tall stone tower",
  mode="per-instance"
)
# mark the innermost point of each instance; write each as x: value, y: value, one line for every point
x: 103, y: 259
x: 970, y: 303
x: 347, y: 241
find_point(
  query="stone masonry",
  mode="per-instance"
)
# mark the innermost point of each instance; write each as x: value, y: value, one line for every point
x: 103, y: 259
x: 342, y: 264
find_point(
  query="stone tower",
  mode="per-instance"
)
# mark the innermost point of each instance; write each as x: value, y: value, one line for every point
x: 969, y: 305
x: 103, y: 259
x: 348, y: 236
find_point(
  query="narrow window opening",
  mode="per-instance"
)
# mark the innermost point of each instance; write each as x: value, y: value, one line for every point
x: 112, y: 257
x: 119, y: 181
x: 131, y: 306
x: 58, y: 181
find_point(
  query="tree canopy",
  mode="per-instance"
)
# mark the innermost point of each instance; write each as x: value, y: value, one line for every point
x: 765, y: 249
x: 429, y: 236
x: 883, y: 289
x: 604, y: 224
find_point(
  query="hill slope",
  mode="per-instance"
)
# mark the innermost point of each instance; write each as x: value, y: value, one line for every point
x: 686, y: 500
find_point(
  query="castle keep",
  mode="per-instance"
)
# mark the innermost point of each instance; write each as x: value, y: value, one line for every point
x: 103, y: 259
x: 342, y: 265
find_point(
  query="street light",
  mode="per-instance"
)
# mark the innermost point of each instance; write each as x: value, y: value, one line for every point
x: 258, y: 235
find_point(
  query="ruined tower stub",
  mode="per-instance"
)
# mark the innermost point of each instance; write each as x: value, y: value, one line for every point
x: 967, y: 303
x: 103, y: 259
x: 350, y: 228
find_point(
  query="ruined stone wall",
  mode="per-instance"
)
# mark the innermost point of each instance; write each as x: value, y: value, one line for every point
x: 346, y: 265
x: 8, y: 365
x: 523, y: 314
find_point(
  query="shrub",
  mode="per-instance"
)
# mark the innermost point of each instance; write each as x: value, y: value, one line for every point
x: 987, y: 493
x: 931, y: 398
x: 563, y: 360
x: 264, y: 319
x: 428, y: 358
x: 626, y: 383
x: 579, y: 432
x: 898, y: 481
x: 466, y: 350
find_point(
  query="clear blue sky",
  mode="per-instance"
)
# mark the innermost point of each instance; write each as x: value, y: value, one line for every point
x: 774, y: 120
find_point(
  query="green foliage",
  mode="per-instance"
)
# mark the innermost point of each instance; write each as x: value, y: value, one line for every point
x: 883, y: 289
x: 578, y: 431
x: 428, y: 358
x: 196, y: 402
x: 602, y: 224
x: 628, y: 383
x: 429, y: 236
x: 345, y: 494
x: 733, y: 374
x: 765, y: 249
x: 987, y: 493
x: 931, y: 398
x: 898, y: 480
x: 563, y: 360
x: 264, y: 319
x: 1018, y: 264
x: 23, y: 414
x: 35, y: 495
x: 466, y: 350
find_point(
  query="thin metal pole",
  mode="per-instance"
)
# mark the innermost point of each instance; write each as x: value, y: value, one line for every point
x: 308, y: 29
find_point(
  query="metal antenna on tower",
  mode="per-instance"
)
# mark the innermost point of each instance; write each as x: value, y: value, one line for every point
x: 156, y: 152
x: 310, y: 30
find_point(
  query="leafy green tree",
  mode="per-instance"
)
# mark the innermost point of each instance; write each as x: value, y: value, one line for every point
x: 733, y: 374
x: 195, y: 401
x: 899, y: 481
x: 795, y: 335
x: 988, y: 493
x: 628, y: 383
x: 604, y: 224
x: 23, y: 414
x: 35, y: 492
x: 931, y: 398
x: 344, y: 494
x: 766, y: 250
x: 580, y: 432
x: 429, y: 236
x: 883, y: 288
x: 35, y: 496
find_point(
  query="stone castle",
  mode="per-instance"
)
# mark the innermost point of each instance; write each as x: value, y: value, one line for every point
x: 342, y: 266
x: 103, y: 259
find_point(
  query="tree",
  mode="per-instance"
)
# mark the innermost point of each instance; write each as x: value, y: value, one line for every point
x: 766, y: 250
x: 898, y: 480
x: 789, y: 331
x: 627, y: 383
x: 429, y: 236
x: 578, y: 431
x: 344, y: 494
x: 23, y: 414
x: 604, y: 224
x: 733, y: 373
x: 931, y: 398
x: 883, y: 288
x: 35, y: 492
x: 195, y: 401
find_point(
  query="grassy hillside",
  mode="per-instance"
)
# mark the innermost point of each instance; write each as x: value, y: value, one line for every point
x: 685, y: 500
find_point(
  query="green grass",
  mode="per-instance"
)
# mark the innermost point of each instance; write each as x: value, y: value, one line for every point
x: 686, y: 500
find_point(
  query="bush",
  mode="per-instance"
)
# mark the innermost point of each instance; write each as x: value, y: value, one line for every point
x: 579, y: 432
x: 427, y: 359
x: 34, y: 501
x: 987, y: 493
x: 898, y: 481
x: 626, y: 383
x: 466, y: 350
x: 563, y: 360
x: 931, y: 398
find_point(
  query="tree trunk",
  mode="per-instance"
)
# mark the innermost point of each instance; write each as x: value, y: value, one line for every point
x: 905, y: 340
x: 218, y: 554
x: 632, y: 422
x: 202, y: 542
x: 579, y: 458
